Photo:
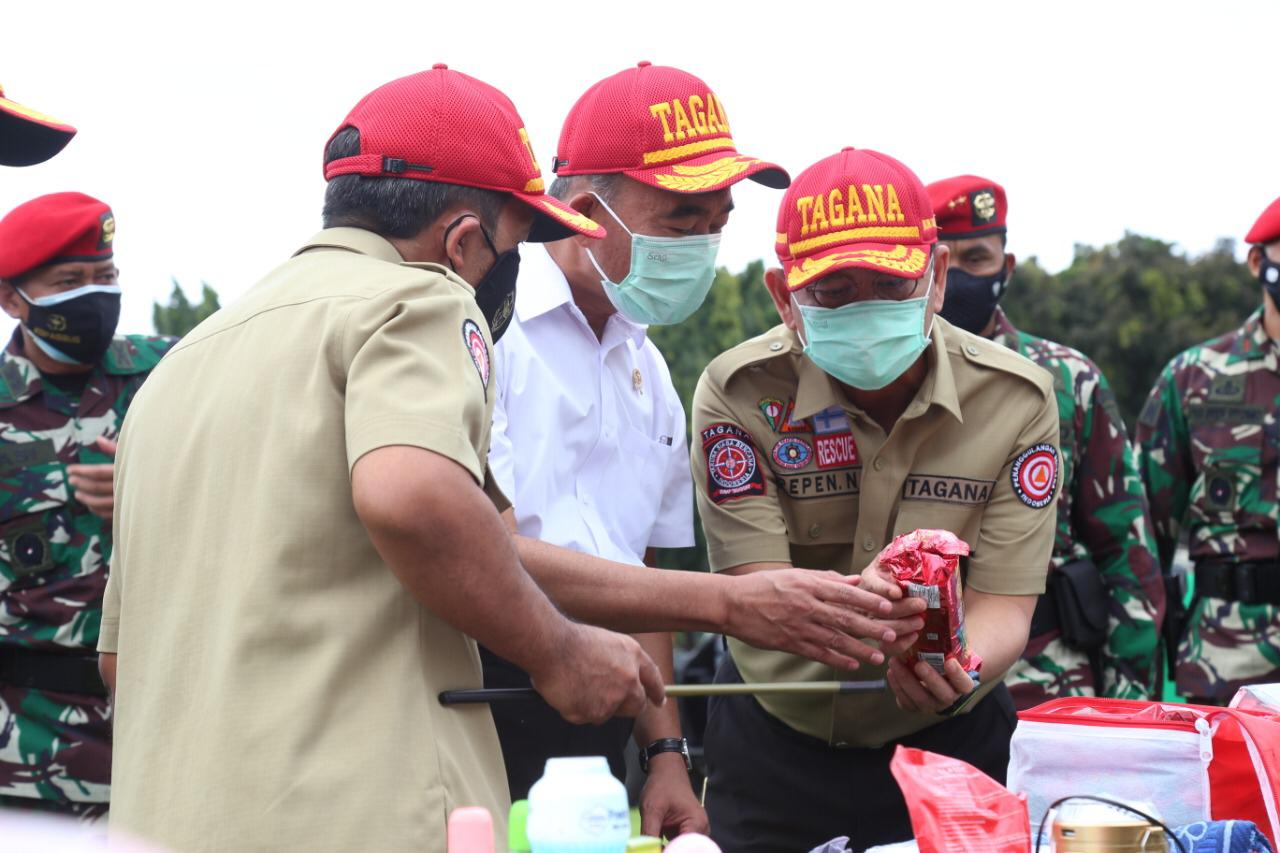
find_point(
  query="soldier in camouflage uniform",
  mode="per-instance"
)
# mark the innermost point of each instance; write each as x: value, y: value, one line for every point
x: 1208, y: 438
x: 65, y: 382
x: 1102, y: 510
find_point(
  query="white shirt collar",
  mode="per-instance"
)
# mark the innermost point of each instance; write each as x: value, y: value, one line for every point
x: 542, y: 288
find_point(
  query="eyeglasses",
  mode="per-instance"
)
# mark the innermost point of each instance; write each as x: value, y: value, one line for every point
x: 836, y: 294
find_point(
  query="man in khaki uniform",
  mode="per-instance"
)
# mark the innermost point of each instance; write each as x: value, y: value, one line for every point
x: 862, y: 417
x: 302, y: 537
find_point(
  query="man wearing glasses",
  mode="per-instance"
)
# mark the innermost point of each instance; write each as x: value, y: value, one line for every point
x: 862, y: 417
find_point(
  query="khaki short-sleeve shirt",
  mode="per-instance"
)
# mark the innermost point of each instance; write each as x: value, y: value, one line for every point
x: 276, y: 684
x: 788, y: 470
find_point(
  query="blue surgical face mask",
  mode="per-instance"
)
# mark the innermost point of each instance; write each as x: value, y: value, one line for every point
x: 669, y: 276
x: 867, y: 344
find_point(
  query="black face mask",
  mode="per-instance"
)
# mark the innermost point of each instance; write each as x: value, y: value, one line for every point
x: 1269, y: 275
x: 496, y: 290
x: 75, y: 327
x: 971, y: 299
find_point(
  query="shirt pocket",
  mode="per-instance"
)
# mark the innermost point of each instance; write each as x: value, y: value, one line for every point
x: 645, y: 464
x: 34, y: 498
x: 1229, y: 459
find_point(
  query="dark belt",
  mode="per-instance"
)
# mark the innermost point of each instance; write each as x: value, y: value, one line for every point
x: 52, y: 671
x: 1256, y: 582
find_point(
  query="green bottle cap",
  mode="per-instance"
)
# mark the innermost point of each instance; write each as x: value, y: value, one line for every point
x: 518, y: 827
x: 644, y: 844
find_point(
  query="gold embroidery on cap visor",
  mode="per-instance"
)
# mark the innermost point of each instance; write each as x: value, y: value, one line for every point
x: 570, y: 217
x: 901, y: 260
x: 28, y: 113
x: 692, y: 179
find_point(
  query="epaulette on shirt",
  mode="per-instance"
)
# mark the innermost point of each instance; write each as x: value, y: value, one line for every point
x: 774, y: 343
x: 989, y: 355
x: 132, y: 354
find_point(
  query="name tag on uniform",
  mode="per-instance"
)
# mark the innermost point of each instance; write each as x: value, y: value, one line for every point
x: 952, y: 490
x: 26, y: 454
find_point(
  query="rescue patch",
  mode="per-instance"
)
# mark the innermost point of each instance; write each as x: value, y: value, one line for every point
x: 478, y: 349
x: 954, y: 490
x: 830, y: 420
x: 1035, y: 475
x: 835, y: 451
x: 819, y: 484
x: 792, y: 453
x: 733, y: 470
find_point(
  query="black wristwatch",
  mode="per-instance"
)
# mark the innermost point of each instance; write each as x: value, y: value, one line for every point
x: 666, y: 744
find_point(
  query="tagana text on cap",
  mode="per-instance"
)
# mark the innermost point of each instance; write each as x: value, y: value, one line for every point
x: 55, y: 229
x: 28, y: 137
x: 855, y: 209
x: 1267, y: 228
x: 442, y: 125
x: 660, y: 126
x: 968, y: 206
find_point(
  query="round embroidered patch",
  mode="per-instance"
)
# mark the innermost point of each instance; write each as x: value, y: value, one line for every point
x: 478, y: 349
x: 792, y: 453
x: 731, y: 462
x: 1035, y: 475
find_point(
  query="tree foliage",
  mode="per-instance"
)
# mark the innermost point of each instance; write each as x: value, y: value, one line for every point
x: 1130, y: 306
x: 180, y: 316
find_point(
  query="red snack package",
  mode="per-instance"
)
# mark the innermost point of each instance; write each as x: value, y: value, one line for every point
x: 926, y: 565
x: 956, y: 808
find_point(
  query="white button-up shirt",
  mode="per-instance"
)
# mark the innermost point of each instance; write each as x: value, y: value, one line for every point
x: 588, y: 434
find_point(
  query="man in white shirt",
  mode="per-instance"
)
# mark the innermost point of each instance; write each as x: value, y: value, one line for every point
x: 589, y: 433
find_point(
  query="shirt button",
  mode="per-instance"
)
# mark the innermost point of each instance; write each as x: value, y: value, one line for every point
x: 815, y: 530
x: 971, y: 349
x: 878, y: 464
x: 775, y: 346
x: 868, y: 544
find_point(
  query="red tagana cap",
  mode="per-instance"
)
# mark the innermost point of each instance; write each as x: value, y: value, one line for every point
x: 1267, y: 228
x: 968, y: 206
x: 859, y: 209
x: 661, y: 126
x: 441, y: 125
x: 28, y: 137
x: 55, y: 229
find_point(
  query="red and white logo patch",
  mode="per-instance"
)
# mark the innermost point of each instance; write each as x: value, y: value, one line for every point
x: 733, y: 470
x: 1035, y: 475
x: 479, y: 350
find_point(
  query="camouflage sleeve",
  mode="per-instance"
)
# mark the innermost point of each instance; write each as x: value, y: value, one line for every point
x: 1111, y: 519
x: 1164, y: 452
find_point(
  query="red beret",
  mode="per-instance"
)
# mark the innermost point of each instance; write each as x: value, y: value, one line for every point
x: 968, y: 206
x: 28, y: 137
x: 55, y: 229
x: 1267, y: 228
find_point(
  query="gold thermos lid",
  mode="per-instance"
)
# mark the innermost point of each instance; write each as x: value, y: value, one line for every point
x: 1112, y: 835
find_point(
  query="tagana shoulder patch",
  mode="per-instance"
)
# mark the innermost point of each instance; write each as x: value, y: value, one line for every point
x: 733, y: 467
x: 478, y: 349
x: 1035, y: 475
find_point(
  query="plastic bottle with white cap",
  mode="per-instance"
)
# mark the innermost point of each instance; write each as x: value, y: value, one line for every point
x: 578, y: 807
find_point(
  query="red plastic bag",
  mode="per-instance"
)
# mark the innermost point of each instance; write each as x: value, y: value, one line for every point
x: 926, y: 564
x: 954, y: 806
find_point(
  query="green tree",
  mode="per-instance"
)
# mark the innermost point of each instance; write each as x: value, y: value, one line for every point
x: 738, y: 307
x: 1133, y: 305
x: 180, y: 316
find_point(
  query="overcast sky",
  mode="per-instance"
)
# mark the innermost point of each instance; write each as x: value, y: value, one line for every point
x: 202, y: 124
